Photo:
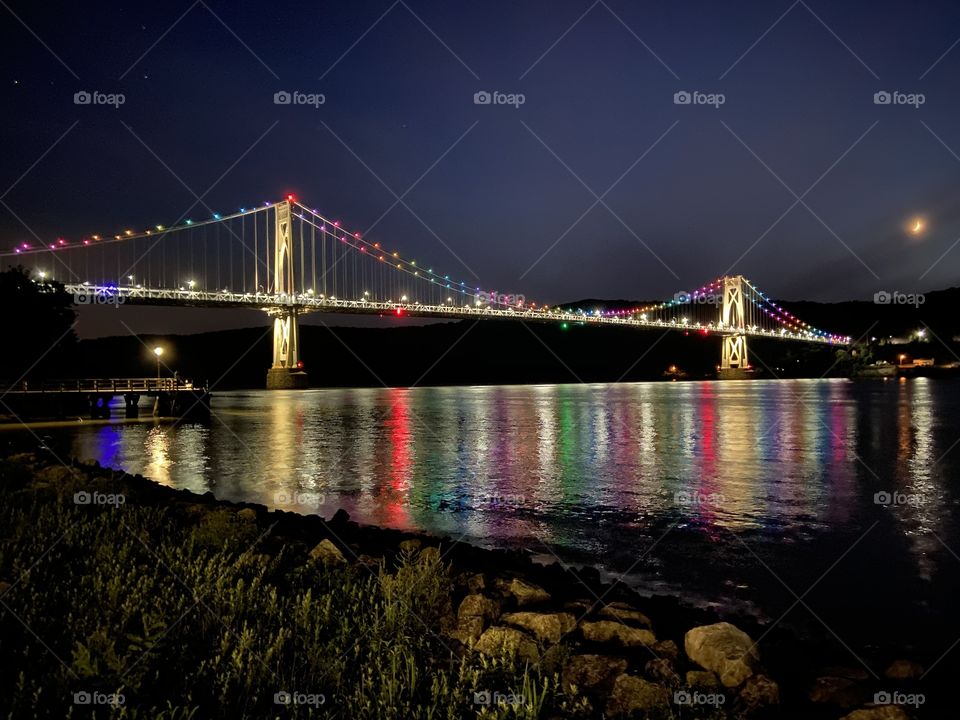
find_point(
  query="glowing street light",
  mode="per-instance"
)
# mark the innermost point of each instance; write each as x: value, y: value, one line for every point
x: 158, y: 351
x: 191, y: 283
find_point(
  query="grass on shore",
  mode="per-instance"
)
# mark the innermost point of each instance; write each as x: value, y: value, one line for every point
x: 193, y: 612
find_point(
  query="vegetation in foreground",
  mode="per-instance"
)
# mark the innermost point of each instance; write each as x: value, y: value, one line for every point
x: 206, y: 616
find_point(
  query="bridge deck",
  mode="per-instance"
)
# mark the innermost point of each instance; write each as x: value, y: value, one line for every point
x: 304, y: 303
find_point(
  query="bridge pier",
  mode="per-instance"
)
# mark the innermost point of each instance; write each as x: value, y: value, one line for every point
x: 287, y: 370
x: 734, y: 362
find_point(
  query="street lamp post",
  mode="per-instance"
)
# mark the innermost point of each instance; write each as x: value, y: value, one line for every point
x: 158, y: 351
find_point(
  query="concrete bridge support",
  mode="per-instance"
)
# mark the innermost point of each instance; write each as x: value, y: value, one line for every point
x: 286, y: 373
x: 734, y: 361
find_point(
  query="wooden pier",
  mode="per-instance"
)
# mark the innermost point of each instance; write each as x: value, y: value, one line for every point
x: 62, y: 398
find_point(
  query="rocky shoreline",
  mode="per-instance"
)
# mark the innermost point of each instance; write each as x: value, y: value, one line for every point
x: 617, y: 653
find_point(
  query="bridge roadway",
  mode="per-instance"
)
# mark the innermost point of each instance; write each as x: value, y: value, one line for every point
x: 306, y: 302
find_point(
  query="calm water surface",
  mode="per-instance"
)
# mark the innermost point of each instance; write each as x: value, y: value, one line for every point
x: 735, y: 494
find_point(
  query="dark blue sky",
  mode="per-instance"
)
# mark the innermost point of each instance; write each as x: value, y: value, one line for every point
x: 499, y: 189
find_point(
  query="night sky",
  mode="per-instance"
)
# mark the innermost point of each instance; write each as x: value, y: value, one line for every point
x: 505, y: 196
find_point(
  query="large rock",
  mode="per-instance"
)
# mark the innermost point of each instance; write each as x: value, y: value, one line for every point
x: 662, y: 670
x: 593, y: 672
x: 247, y: 515
x: 468, y: 630
x: 725, y: 649
x: 526, y: 593
x: 667, y: 649
x: 328, y: 554
x: 633, y: 694
x: 477, y: 605
x: 701, y: 678
x: 885, y: 712
x: 904, y: 670
x: 605, y: 631
x: 840, y: 691
x: 547, y: 627
x: 758, y: 692
x: 622, y: 611
x: 498, y: 640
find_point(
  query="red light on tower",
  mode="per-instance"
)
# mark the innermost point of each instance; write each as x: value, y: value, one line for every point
x: 291, y: 197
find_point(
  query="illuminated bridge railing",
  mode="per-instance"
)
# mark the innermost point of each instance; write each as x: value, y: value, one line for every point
x: 307, y: 302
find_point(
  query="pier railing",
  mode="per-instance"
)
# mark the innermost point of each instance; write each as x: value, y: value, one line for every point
x: 102, y: 385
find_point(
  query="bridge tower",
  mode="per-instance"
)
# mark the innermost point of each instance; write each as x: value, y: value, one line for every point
x: 286, y: 371
x: 733, y: 359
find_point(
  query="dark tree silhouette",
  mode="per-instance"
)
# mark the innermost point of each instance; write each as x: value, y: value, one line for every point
x: 38, y: 324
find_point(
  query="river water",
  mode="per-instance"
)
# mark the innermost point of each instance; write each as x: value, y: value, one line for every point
x: 738, y: 495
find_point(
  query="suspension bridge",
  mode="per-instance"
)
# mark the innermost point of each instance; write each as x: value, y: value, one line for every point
x: 288, y: 259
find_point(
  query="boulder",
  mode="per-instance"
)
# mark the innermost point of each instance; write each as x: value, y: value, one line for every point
x: 468, y: 630
x: 525, y: 593
x: 480, y: 606
x: 903, y: 670
x: 633, y: 694
x: 498, y: 640
x: 662, y: 670
x: 55, y: 474
x: 724, y: 649
x: 605, y: 631
x: 701, y: 678
x: 667, y: 649
x: 758, y: 692
x: 547, y: 627
x: 839, y: 691
x: 476, y: 583
x: 328, y: 554
x: 884, y: 712
x: 593, y: 672
x: 625, y: 613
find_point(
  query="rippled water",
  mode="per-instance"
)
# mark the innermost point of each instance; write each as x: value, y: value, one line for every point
x: 739, y: 494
